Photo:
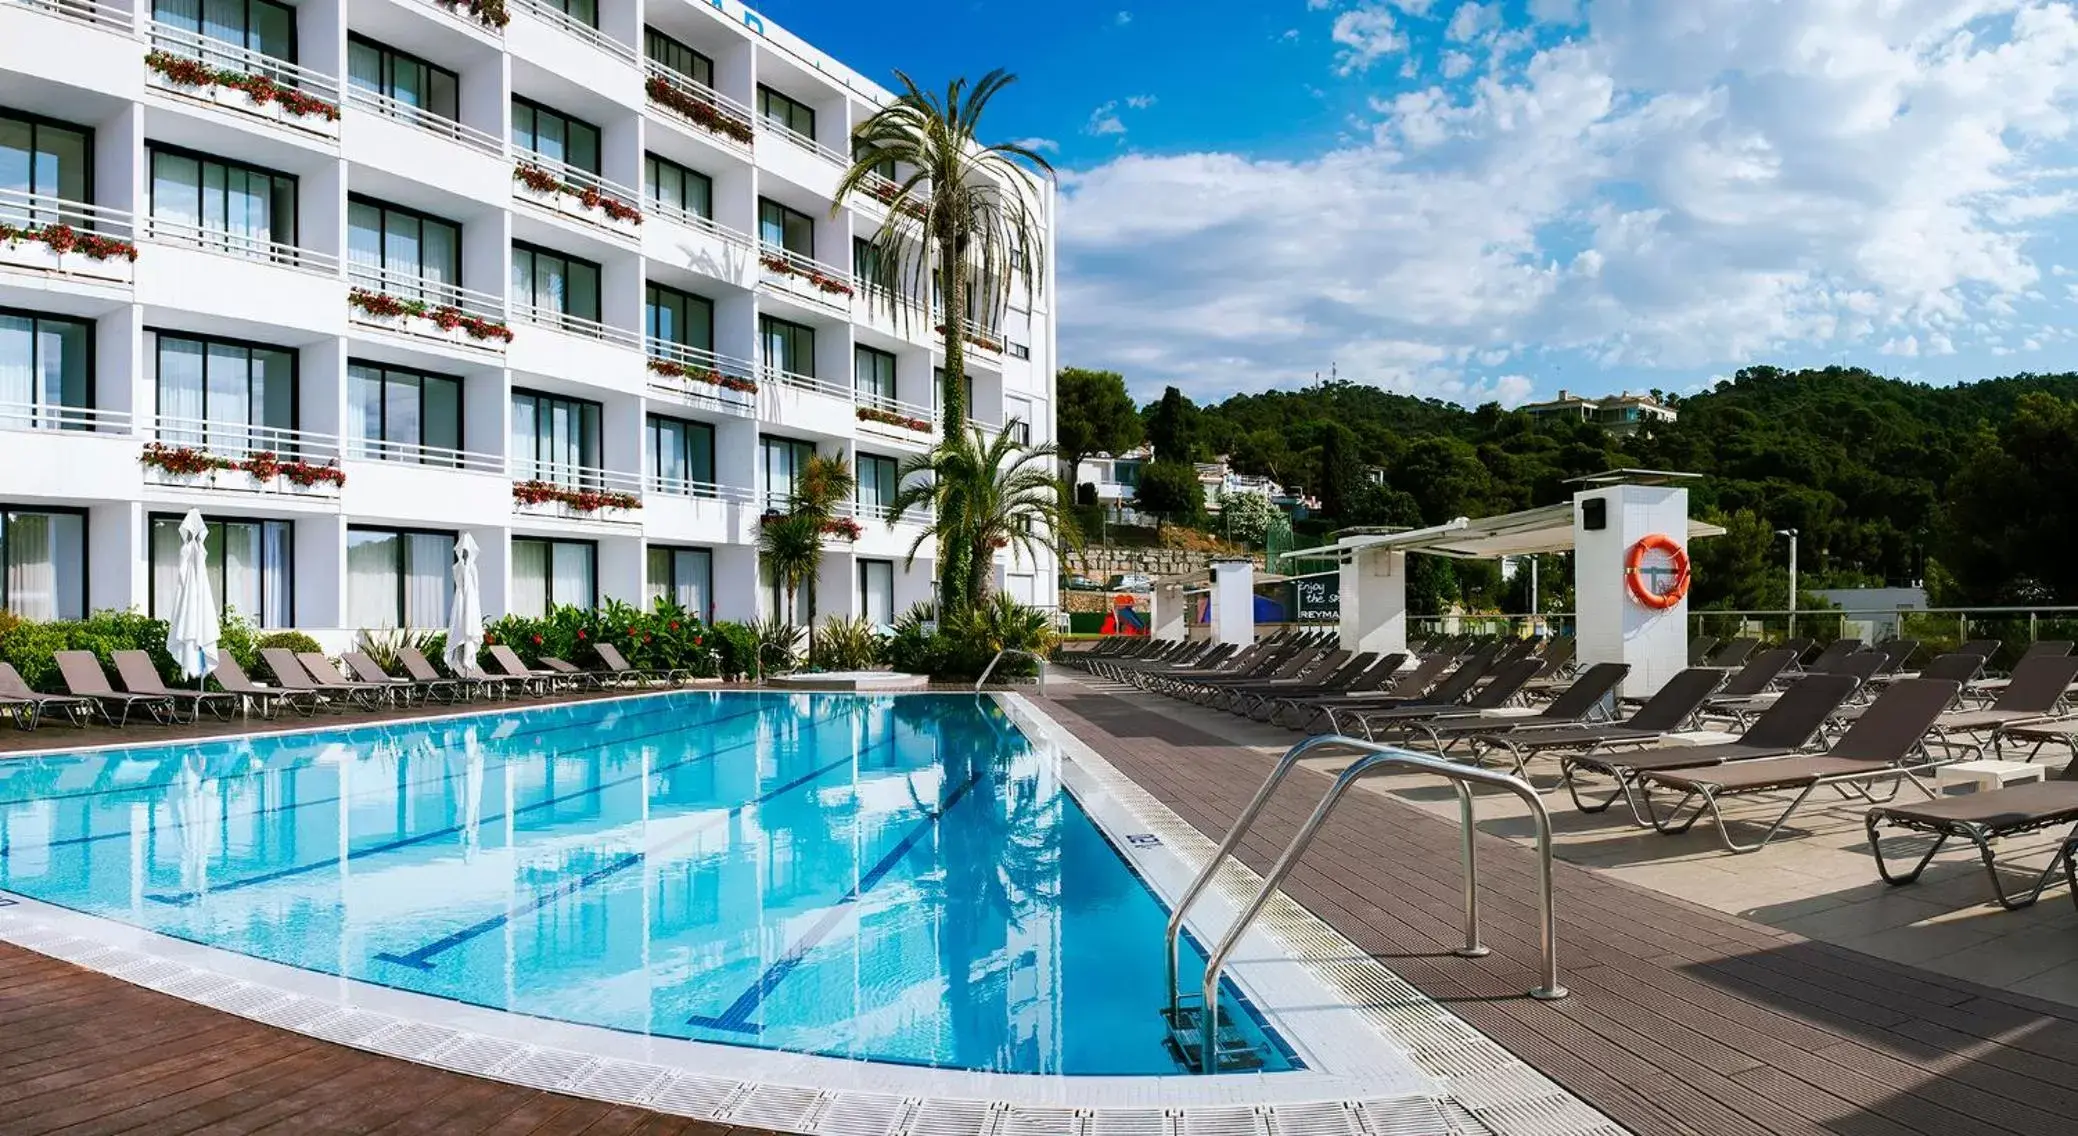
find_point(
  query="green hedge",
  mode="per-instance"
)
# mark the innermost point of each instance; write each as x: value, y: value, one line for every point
x: 31, y: 648
x: 666, y: 637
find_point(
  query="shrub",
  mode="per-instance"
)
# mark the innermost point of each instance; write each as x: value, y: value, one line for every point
x: 964, y: 644
x: 237, y: 637
x: 290, y: 640
x: 382, y: 645
x: 736, y: 650
x: 779, y: 645
x: 845, y: 645
x: 32, y: 647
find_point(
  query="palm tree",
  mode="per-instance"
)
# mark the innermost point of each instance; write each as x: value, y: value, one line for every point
x: 791, y: 543
x: 962, y: 215
x: 985, y: 494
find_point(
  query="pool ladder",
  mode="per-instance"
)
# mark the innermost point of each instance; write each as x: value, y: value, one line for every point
x: 1006, y: 652
x: 1200, y: 1039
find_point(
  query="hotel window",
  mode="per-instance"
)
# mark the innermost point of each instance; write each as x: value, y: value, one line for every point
x: 44, y: 557
x: 555, y: 136
x: 548, y: 574
x: 1019, y: 409
x: 877, y: 592
x: 782, y: 460
x: 675, y: 187
x: 554, y: 284
x: 251, y: 567
x: 261, y: 26
x: 43, y: 159
x: 398, y: 578
x: 671, y: 318
x: 402, y: 251
x: 772, y: 597
x: 786, y: 228
x: 677, y: 57
x: 789, y: 346
x: 876, y: 478
x: 222, y: 204
x: 938, y: 390
x: 226, y: 396
x: 867, y: 263
x: 555, y: 439
x: 585, y: 12
x: 873, y: 375
x: 46, y: 370
x: 403, y: 77
x: 396, y: 414
x: 681, y: 456
x: 684, y: 576
x: 782, y: 111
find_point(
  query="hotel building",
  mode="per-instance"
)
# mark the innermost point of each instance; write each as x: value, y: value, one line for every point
x: 566, y: 275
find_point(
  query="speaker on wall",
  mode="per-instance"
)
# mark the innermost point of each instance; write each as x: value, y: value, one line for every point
x: 1594, y: 514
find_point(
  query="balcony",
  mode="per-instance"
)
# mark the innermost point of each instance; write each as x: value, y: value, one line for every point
x: 698, y: 512
x: 395, y: 135
x: 70, y: 42
x: 543, y: 36
x: 800, y: 159
x: 67, y: 452
x: 474, y: 15
x: 65, y: 240
x: 427, y: 311
x: 882, y: 192
x: 822, y: 286
x: 891, y: 314
x: 409, y: 484
x: 272, y: 463
x: 892, y: 420
x: 806, y: 402
x: 577, y: 196
x: 882, y: 536
x: 702, y: 378
x: 704, y: 112
x: 238, y: 276
x: 674, y: 236
x: 583, y: 496
x: 212, y: 73
x: 567, y: 346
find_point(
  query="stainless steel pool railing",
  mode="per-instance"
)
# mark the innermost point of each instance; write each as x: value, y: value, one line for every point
x: 1376, y: 758
x: 1005, y: 653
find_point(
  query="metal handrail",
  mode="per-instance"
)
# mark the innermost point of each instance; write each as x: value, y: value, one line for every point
x: 691, y: 220
x: 798, y: 381
x: 39, y: 209
x: 411, y: 286
x: 85, y: 11
x: 1000, y: 656
x: 412, y: 453
x: 225, y: 243
x: 576, y: 325
x: 578, y: 29
x: 729, y: 107
x: 232, y: 57
x: 698, y: 490
x: 239, y: 440
x: 57, y: 416
x: 1377, y: 757
x: 803, y: 141
x: 426, y: 120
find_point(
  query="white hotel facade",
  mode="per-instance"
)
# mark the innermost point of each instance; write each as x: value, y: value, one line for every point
x: 680, y: 230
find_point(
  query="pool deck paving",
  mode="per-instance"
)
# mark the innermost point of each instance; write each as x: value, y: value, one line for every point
x: 1711, y: 994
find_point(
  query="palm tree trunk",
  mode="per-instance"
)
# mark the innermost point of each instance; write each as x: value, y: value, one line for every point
x: 952, y: 552
x: 811, y: 608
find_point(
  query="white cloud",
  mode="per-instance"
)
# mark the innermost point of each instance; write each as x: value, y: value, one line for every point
x: 1039, y: 145
x: 1367, y: 34
x: 1141, y: 102
x: 1471, y: 20
x: 1104, y: 120
x: 1673, y: 188
x: 1124, y: 18
x: 1456, y: 64
x: 1555, y: 11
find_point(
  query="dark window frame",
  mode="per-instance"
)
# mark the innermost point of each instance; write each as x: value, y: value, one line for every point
x: 549, y: 581
x: 398, y: 531
x: 389, y: 83
x: 419, y: 215
x: 787, y: 213
x: 765, y: 321
x: 893, y: 372
x: 599, y: 279
x: 295, y: 354
x: 651, y: 160
x: 384, y: 370
x: 652, y: 39
x: 650, y: 289
x: 539, y: 108
x: 93, y: 348
x: 863, y: 563
x: 599, y: 444
x: 295, y: 31
x: 649, y: 585
x: 151, y: 521
x: 767, y: 94
x: 86, y: 551
x: 151, y: 183
x: 650, y: 424
x: 36, y: 122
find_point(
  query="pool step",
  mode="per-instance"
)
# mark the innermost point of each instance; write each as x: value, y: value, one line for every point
x: 1232, y: 1052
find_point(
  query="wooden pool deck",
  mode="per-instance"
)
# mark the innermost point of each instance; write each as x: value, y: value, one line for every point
x: 1682, y: 1019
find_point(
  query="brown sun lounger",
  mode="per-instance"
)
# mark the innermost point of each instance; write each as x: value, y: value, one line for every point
x: 84, y: 678
x: 618, y: 668
x: 232, y: 678
x: 1783, y: 729
x: 1444, y: 692
x: 289, y: 672
x: 422, y: 672
x: 1588, y: 693
x: 1875, y: 749
x: 1859, y: 665
x: 30, y: 705
x: 140, y: 676
x: 366, y: 670
x: 1983, y: 818
x: 572, y: 673
x: 1665, y: 712
x: 538, y: 681
x: 1497, y: 692
x: 321, y: 669
x: 2036, y: 689
x: 1308, y: 700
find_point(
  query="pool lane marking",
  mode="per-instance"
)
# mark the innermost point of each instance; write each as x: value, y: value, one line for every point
x: 447, y: 778
x: 422, y: 958
x: 184, y: 898
x: 736, y: 1018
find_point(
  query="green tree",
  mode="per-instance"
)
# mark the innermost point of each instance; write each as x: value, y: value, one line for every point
x: 1170, y: 490
x: 1246, y: 516
x: 791, y: 544
x: 1341, y: 471
x: 1093, y: 414
x: 984, y: 494
x: 1172, y: 427
x: 963, y: 226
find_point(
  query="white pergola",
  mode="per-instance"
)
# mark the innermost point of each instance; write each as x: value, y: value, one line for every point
x: 1527, y: 533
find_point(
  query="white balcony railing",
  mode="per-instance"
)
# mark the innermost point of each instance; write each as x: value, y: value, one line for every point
x: 771, y: 374
x: 38, y: 210
x: 692, y: 220
x: 84, y: 11
x: 240, y: 245
x: 882, y: 191
x: 79, y: 419
x: 436, y: 457
x: 731, y: 121
x: 576, y: 325
x: 700, y: 490
x: 361, y: 98
x: 231, y: 57
x: 577, y: 29
x: 237, y: 441
x: 458, y: 10
x: 573, y: 183
x: 436, y: 293
x: 794, y: 137
x: 806, y: 276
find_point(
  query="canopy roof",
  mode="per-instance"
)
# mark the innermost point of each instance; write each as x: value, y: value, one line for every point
x: 1549, y: 529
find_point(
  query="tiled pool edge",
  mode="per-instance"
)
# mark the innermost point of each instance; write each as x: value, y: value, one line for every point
x: 1504, y: 1094
x: 1490, y: 1090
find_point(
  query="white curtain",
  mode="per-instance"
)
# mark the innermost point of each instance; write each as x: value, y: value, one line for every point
x: 371, y: 579
x: 32, y: 581
x: 530, y: 578
x: 877, y: 591
x: 364, y: 241
x: 572, y: 566
x: 693, y: 579
x: 180, y: 390
x: 165, y: 545
x: 17, y: 370
x: 242, y: 573
x: 280, y: 608
x: 428, y: 585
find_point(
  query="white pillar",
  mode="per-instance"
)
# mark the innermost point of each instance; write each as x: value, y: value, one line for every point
x: 1166, y: 619
x: 1613, y: 627
x: 1233, y: 601
x: 1374, y: 601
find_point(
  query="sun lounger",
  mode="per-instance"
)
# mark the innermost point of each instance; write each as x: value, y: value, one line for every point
x: 1699, y: 649
x: 365, y: 670
x: 1331, y: 675
x: 1316, y: 669
x: 1452, y: 687
x: 572, y: 673
x: 1876, y: 750
x: 1983, y: 819
x: 1732, y: 653
x: 2036, y: 689
x: 2040, y: 649
x: 232, y: 678
x: 29, y: 706
x: 1832, y: 654
x: 1783, y: 729
x: 1308, y: 700
x: 1955, y: 666
x: 320, y: 667
x: 1588, y: 693
x: 84, y: 678
x: 421, y: 671
x: 1860, y: 666
x: 1665, y: 712
x: 1497, y: 692
x: 618, y: 669
x: 289, y: 672
x: 140, y: 676
x: 540, y: 681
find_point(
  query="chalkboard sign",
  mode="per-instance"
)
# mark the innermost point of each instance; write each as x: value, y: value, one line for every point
x: 1319, y: 597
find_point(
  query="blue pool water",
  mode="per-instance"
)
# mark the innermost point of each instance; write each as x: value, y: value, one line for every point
x: 897, y: 878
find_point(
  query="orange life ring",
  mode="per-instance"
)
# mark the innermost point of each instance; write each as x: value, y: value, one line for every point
x: 1635, y: 576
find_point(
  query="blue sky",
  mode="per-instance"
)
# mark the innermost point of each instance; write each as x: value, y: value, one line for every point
x: 1498, y: 200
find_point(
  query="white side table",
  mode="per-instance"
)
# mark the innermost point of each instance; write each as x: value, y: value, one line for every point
x: 1982, y: 775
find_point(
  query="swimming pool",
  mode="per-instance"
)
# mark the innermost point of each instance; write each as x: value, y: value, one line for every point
x: 902, y: 879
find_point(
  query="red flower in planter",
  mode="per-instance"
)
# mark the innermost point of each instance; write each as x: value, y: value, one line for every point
x: 581, y: 634
x: 645, y: 638
x: 674, y: 627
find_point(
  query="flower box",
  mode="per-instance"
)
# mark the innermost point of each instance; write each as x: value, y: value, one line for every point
x: 581, y: 202
x: 490, y: 13
x: 890, y: 418
x: 700, y: 112
x: 255, y: 95
x: 63, y: 250
x: 441, y: 322
x: 976, y: 339
x: 675, y: 370
x: 818, y: 281
x: 572, y: 502
x: 261, y: 472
